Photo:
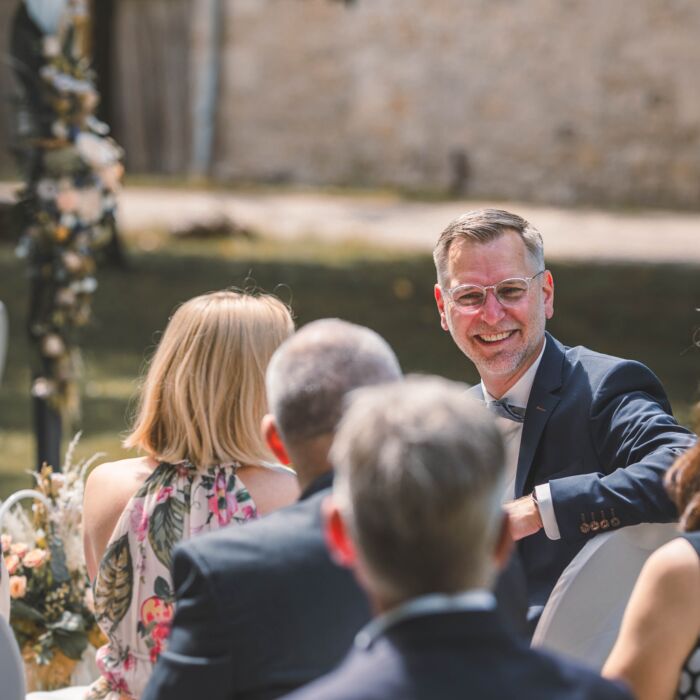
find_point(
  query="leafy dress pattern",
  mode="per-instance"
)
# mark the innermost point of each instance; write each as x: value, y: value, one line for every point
x: 133, y: 587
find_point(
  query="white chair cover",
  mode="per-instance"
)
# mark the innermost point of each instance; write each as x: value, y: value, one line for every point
x: 11, y: 667
x: 583, y: 614
x: 4, y: 590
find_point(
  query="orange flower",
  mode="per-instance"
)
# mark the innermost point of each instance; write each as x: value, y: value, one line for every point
x: 61, y: 233
x: 12, y: 562
x: 18, y: 586
x: 34, y: 558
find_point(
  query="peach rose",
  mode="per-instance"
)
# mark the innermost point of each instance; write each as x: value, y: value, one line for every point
x: 11, y: 563
x: 18, y: 586
x: 19, y: 548
x: 34, y: 558
x: 5, y: 541
x: 68, y: 200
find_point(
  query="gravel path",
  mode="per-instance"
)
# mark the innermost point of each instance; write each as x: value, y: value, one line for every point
x: 569, y: 234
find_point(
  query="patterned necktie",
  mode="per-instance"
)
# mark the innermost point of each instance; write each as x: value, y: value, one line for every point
x: 507, y: 410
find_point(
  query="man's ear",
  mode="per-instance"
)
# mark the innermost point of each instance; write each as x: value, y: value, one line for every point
x: 273, y: 439
x: 440, y: 301
x: 548, y: 289
x: 504, y: 544
x: 338, y: 541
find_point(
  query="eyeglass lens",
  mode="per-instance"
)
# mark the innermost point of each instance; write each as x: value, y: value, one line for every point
x: 507, y: 292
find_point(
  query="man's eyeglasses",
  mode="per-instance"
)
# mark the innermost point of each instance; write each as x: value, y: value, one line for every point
x: 469, y: 298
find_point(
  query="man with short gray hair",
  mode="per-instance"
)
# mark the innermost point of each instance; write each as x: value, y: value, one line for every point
x: 262, y: 609
x: 416, y: 513
x: 307, y: 381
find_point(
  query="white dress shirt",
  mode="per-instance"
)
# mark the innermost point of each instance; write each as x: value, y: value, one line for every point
x: 512, y: 433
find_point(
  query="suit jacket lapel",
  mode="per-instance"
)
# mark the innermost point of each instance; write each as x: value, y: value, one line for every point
x: 542, y: 402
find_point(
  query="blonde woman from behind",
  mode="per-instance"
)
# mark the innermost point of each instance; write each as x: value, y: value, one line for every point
x: 205, y: 466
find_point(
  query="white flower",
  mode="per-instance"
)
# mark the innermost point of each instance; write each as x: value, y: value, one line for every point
x: 52, y: 345
x: 59, y: 129
x: 42, y: 388
x: 89, y: 205
x: 98, y: 152
x: 51, y: 46
x: 47, y: 189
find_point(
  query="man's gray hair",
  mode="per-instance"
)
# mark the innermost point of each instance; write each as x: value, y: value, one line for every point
x: 419, y: 479
x: 482, y: 226
x: 310, y: 374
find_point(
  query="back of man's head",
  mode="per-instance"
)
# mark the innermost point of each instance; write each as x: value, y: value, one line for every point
x: 311, y: 373
x: 419, y: 472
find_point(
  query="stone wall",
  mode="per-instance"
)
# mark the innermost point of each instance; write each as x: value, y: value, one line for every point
x: 545, y: 100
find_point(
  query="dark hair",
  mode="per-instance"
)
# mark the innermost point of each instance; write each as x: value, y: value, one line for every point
x: 683, y: 485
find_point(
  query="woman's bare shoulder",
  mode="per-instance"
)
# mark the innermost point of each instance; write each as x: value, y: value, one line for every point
x: 110, y: 486
x: 269, y: 487
x: 107, y: 492
x: 674, y: 567
x: 122, y: 470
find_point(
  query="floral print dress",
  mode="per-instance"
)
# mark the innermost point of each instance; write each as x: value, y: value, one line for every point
x: 133, y: 587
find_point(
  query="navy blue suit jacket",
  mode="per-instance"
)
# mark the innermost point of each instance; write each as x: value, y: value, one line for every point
x: 599, y: 429
x: 456, y: 655
x: 261, y: 609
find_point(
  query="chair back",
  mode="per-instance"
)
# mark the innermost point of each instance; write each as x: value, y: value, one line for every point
x: 11, y: 667
x: 582, y: 617
x: 4, y: 590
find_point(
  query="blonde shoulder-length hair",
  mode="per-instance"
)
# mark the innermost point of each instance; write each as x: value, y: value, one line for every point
x: 204, y: 393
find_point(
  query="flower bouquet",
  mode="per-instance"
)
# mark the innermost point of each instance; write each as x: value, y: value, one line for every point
x: 51, y: 598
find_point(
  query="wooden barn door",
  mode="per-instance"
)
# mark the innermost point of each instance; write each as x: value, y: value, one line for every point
x: 149, y: 93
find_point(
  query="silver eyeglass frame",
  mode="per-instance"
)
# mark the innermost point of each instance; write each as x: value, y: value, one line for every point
x: 449, y: 293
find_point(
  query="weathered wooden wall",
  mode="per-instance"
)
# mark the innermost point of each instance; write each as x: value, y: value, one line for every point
x: 7, y: 89
x: 151, y: 84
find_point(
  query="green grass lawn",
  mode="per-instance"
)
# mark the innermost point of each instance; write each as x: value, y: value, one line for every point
x: 643, y: 312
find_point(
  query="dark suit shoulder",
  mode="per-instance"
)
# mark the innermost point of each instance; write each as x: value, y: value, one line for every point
x: 598, y: 365
x: 443, y: 656
x: 285, y: 612
x: 288, y: 531
x: 386, y: 674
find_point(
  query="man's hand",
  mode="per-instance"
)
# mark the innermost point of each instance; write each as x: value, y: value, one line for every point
x: 524, y: 517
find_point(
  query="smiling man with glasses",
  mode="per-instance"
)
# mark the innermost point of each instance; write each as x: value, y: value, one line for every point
x: 588, y: 436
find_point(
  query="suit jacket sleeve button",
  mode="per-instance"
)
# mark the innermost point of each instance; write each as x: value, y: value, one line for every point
x: 584, y: 527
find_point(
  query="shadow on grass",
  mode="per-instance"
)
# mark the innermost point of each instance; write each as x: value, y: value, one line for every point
x: 643, y: 312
